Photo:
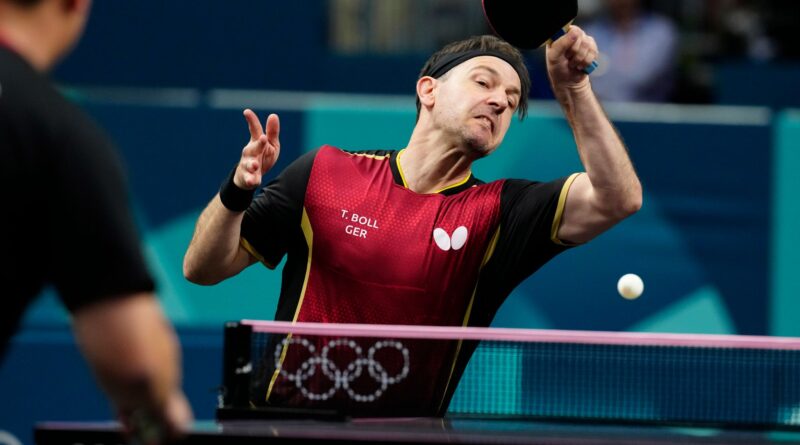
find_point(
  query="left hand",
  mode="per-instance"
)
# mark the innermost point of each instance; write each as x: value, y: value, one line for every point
x: 568, y: 56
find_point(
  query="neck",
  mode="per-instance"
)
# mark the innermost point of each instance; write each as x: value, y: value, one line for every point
x: 30, y: 35
x: 431, y: 162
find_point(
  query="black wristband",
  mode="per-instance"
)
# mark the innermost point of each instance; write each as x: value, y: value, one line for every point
x: 234, y: 198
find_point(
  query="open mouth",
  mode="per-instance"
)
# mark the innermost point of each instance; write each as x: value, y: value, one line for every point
x: 487, y: 122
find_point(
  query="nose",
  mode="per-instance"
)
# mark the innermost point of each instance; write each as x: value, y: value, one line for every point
x: 498, y: 101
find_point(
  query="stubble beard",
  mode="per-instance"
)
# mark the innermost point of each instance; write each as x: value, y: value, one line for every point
x: 475, y: 145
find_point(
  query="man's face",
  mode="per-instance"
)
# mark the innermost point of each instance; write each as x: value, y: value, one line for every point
x: 476, y: 102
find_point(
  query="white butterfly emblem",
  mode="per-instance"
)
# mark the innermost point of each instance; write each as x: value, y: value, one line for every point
x: 447, y: 242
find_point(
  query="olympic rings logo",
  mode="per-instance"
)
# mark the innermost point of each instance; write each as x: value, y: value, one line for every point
x: 343, y: 378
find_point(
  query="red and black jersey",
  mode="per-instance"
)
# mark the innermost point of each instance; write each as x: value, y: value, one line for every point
x: 363, y: 248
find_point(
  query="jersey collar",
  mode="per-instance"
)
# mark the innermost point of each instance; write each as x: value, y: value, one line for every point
x: 399, y: 178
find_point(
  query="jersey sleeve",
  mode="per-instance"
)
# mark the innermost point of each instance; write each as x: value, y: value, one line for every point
x: 531, y: 214
x: 92, y: 245
x: 275, y: 213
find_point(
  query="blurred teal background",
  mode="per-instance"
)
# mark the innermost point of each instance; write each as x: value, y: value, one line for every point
x: 716, y: 241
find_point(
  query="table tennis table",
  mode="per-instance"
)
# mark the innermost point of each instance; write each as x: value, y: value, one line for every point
x: 418, y: 431
x: 527, y: 387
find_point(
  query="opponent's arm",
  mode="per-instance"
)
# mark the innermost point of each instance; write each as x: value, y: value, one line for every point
x: 610, y: 190
x: 134, y: 353
x: 214, y: 253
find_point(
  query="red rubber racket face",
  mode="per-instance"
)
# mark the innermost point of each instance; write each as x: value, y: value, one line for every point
x: 529, y: 24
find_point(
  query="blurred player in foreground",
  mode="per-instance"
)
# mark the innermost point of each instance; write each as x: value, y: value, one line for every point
x: 411, y: 236
x: 66, y: 223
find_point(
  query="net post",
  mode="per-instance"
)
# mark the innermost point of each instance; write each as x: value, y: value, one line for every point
x: 236, y: 365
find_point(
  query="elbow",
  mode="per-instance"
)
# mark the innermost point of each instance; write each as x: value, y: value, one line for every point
x: 624, y: 205
x: 632, y: 205
x: 632, y: 202
x: 196, y: 275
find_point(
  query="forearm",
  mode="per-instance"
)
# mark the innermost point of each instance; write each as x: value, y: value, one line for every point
x: 602, y: 152
x: 214, y: 253
x: 132, y: 349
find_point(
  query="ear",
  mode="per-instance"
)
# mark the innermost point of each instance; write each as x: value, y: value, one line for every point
x: 426, y: 91
x: 81, y: 6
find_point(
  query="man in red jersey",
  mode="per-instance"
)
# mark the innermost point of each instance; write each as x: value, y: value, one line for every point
x: 412, y: 237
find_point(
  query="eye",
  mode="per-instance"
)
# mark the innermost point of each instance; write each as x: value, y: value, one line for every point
x: 482, y: 83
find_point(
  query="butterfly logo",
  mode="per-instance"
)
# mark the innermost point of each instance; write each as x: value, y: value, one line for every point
x: 446, y: 241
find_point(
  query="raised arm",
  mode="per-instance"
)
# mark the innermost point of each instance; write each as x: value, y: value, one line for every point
x: 214, y: 253
x: 609, y: 191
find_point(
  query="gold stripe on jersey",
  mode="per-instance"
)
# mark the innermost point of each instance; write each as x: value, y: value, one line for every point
x: 308, y: 233
x: 405, y: 183
x: 457, y: 184
x: 369, y: 155
x: 562, y: 202
x: 252, y: 251
x: 400, y: 168
x: 486, y: 257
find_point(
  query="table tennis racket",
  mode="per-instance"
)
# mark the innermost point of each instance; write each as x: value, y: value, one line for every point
x: 531, y: 24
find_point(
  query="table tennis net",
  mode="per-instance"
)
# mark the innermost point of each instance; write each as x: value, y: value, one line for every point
x: 562, y: 375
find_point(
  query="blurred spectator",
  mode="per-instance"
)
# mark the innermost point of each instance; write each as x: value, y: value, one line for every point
x: 741, y: 29
x: 639, y: 59
x: 380, y: 27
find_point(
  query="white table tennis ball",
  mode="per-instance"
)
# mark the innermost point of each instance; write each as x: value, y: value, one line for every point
x: 630, y: 286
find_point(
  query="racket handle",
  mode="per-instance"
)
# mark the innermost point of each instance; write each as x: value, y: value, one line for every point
x: 560, y: 33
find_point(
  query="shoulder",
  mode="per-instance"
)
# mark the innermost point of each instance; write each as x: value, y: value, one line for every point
x: 48, y: 130
x: 329, y: 155
x: 528, y: 192
x: 26, y: 97
x: 27, y: 93
x: 40, y: 116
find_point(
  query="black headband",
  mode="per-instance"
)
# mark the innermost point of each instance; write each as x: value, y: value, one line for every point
x: 450, y: 61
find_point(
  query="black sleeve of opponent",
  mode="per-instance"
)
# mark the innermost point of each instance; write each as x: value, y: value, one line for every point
x: 277, y: 211
x: 94, y: 248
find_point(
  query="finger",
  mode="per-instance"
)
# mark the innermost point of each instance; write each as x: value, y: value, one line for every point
x: 146, y: 427
x: 562, y: 45
x: 255, y: 148
x: 178, y: 415
x: 273, y: 129
x: 253, y: 124
x: 577, y: 30
x: 575, y: 48
x: 248, y: 179
x: 580, y: 59
x: 270, y: 157
x: 591, y: 53
x: 250, y: 165
x: 252, y: 180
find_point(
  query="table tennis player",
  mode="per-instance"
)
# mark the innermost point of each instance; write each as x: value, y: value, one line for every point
x: 66, y: 223
x: 411, y: 236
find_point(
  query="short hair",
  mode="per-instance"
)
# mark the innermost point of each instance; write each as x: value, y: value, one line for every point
x: 485, y: 43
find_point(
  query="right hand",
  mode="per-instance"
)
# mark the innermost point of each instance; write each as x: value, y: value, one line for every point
x: 158, y: 425
x: 567, y: 58
x: 260, y: 154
